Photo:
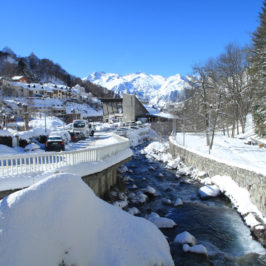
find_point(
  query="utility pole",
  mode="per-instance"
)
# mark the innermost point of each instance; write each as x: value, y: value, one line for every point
x: 209, y: 129
x: 184, y: 126
x: 45, y: 122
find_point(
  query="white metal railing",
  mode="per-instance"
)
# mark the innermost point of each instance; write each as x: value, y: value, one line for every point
x: 30, y: 163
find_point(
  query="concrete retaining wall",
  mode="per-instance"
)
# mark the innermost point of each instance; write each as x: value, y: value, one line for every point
x: 99, y: 182
x: 255, y: 183
x: 102, y: 181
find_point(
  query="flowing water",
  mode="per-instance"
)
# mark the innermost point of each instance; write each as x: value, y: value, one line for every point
x: 213, y: 222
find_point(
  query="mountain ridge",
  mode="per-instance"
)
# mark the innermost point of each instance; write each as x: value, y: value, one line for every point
x: 154, y: 89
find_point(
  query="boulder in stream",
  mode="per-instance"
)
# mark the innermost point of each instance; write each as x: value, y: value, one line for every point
x: 149, y: 190
x: 199, y: 249
x: 185, y: 238
x: 166, y: 201
x: 209, y: 191
x: 161, y: 222
x: 178, y: 202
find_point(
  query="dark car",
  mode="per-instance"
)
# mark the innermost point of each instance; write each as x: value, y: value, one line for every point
x: 55, y: 143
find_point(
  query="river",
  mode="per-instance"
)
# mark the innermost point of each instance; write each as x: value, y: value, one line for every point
x: 213, y: 222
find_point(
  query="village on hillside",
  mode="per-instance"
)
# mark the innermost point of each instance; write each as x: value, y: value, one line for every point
x: 21, y: 99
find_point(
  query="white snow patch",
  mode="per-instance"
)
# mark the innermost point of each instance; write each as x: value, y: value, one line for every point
x: 161, y: 222
x: 121, y: 204
x: 32, y: 147
x: 178, y: 202
x: 60, y: 218
x: 185, y: 238
x: 239, y: 196
x: 173, y: 164
x: 183, y: 171
x: 149, y: 190
x: 5, y: 133
x: 251, y: 220
x: 134, y: 211
x: 209, y: 191
x: 199, y: 249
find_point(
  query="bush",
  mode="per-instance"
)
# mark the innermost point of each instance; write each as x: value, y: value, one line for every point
x: 6, y: 140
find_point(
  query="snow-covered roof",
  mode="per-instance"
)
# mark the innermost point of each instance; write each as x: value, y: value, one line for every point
x: 5, y: 133
x: 84, y: 109
x: 17, y: 77
x: 155, y: 112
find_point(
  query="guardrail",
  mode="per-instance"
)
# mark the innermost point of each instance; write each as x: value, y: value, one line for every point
x: 31, y: 163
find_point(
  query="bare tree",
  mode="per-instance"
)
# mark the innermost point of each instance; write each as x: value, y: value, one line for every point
x: 232, y: 66
x: 220, y: 94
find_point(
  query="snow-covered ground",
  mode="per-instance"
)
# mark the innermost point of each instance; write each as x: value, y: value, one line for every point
x: 60, y: 220
x: 233, y: 151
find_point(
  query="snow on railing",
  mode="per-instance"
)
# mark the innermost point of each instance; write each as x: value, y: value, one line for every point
x: 31, y: 163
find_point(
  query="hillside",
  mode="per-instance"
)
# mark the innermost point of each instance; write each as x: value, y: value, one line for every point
x: 153, y: 89
x: 44, y: 70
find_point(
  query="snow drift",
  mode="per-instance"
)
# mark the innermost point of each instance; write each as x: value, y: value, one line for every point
x: 60, y: 219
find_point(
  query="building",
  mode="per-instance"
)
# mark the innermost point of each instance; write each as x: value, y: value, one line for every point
x: 19, y: 79
x: 133, y: 109
x: 112, y: 109
x: 128, y: 109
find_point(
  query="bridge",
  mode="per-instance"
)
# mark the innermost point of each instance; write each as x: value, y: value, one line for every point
x: 89, y: 162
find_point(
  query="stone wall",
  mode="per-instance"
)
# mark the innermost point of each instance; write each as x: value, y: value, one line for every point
x: 102, y: 181
x: 255, y: 183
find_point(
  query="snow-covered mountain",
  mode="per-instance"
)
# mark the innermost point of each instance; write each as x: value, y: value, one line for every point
x: 154, y: 89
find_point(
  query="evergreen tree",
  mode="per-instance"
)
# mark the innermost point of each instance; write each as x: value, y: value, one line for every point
x: 258, y: 72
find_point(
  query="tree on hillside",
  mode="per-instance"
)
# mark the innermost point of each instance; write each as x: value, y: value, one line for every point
x: 232, y: 68
x: 206, y: 100
x: 258, y: 71
x: 45, y: 70
x: 220, y: 94
x: 22, y: 66
x: 9, y: 70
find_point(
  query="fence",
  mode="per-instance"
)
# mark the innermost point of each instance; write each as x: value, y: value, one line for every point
x: 30, y: 163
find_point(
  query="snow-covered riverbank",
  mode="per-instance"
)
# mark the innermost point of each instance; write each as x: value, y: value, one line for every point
x: 170, y: 199
x: 237, y: 151
x: 239, y: 197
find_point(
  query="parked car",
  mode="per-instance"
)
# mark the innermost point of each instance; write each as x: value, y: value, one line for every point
x: 55, y: 143
x: 84, y: 127
x: 61, y: 133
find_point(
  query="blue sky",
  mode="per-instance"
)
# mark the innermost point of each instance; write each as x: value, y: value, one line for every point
x: 162, y: 37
